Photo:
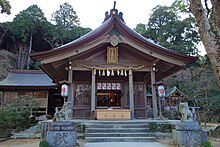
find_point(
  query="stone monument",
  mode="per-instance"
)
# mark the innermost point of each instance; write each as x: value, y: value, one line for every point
x: 188, y: 132
x: 62, y: 134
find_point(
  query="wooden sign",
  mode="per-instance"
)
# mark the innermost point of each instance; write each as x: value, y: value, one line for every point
x: 112, y: 54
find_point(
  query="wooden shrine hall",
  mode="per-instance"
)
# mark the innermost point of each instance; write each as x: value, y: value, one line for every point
x: 109, y: 68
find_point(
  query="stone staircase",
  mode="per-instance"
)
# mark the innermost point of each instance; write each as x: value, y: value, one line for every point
x: 118, y: 131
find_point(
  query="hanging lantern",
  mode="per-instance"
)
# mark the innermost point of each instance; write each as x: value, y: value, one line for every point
x: 122, y: 72
x: 112, y: 73
x: 103, y: 72
x: 64, y: 90
x: 161, y: 91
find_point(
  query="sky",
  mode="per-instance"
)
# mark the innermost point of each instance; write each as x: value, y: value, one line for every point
x: 92, y: 12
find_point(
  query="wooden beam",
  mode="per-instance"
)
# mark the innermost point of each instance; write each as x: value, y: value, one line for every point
x: 150, y: 52
x: 75, y: 52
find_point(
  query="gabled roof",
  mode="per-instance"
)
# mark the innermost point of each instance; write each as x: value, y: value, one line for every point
x: 27, y: 79
x: 168, y: 61
x: 170, y: 91
x: 113, y: 22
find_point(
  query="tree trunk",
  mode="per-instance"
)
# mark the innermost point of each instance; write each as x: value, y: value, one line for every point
x: 208, y: 37
x: 29, y: 51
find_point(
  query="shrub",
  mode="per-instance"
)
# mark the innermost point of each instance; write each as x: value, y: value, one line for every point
x: 43, y: 143
x: 16, y: 115
x: 206, y: 143
x: 153, y: 127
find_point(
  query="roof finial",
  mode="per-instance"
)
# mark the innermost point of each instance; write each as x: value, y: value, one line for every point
x: 114, y: 4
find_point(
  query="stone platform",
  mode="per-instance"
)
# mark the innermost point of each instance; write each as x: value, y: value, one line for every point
x: 189, y: 133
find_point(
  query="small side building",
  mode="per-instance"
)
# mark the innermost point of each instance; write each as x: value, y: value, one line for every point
x: 34, y: 83
x: 173, y: 97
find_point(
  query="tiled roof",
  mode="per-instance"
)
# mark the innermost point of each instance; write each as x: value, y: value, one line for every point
x: 27, y: 78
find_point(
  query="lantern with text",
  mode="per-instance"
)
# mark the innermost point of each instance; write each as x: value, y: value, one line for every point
x: 64, y: 90
x: 161, y: 91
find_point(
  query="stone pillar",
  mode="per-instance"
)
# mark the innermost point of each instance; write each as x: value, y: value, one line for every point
x: 131, y: 93
x: 93, y: 98
x: 70, y: 91
x: 154, y: 96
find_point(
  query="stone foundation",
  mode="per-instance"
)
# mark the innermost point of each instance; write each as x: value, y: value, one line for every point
x: 189, y: 133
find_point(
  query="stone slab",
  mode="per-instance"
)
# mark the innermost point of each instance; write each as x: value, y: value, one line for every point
x: 188, y: 125
x: 61, y: 138
x: 124, y: 144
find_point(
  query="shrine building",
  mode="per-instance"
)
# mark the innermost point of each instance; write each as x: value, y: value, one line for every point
x: 109, y: 69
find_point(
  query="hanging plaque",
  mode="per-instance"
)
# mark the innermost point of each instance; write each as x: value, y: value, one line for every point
x: 118, y: 86
x: 112, y: 54
x: 109, y: 86
x: 99, y: 86
x: 103, y: 86
x: 113, y: 86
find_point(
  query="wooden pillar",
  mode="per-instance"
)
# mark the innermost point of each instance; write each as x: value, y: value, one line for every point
x: 131, y: 93
x: 70, y: 91
x: 154, y: 96
x: 145, y: 99
x: 93, y: 98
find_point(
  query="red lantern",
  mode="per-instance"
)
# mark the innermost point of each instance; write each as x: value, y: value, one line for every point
x: 64, y: 90
x: 161, y: 91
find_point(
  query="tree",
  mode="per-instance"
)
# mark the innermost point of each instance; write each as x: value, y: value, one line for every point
x: 6, y: 62
x: 199, y: 84
x: 66, y: 27
x: 5, y: 7
x: 26, y: 23
x: 209, y: 27
x: 166, y: 29
x: 66, y: 16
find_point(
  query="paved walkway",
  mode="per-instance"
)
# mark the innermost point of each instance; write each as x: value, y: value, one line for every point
x: 124, y: 144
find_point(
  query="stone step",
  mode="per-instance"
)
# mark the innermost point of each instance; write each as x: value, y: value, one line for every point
x: 118, y: 126
x: 116, y: 122
x: 116, y: 130
x: 120, y: 139
x: 119, y: 134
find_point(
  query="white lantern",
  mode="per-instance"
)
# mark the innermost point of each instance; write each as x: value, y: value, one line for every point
x: 64, y: 90
x: 161, y: 91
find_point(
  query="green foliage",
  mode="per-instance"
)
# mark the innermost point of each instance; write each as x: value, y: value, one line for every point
x: 43, y: 143
x: 28, y: 22
x: 66, y: 16
x: 153, y: 126
x: 168, y: 30
x: 5, y: 6
x: 16, y: 114
x: 206, y: 143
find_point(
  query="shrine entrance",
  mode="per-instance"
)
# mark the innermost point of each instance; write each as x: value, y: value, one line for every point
x: 109, y: 98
